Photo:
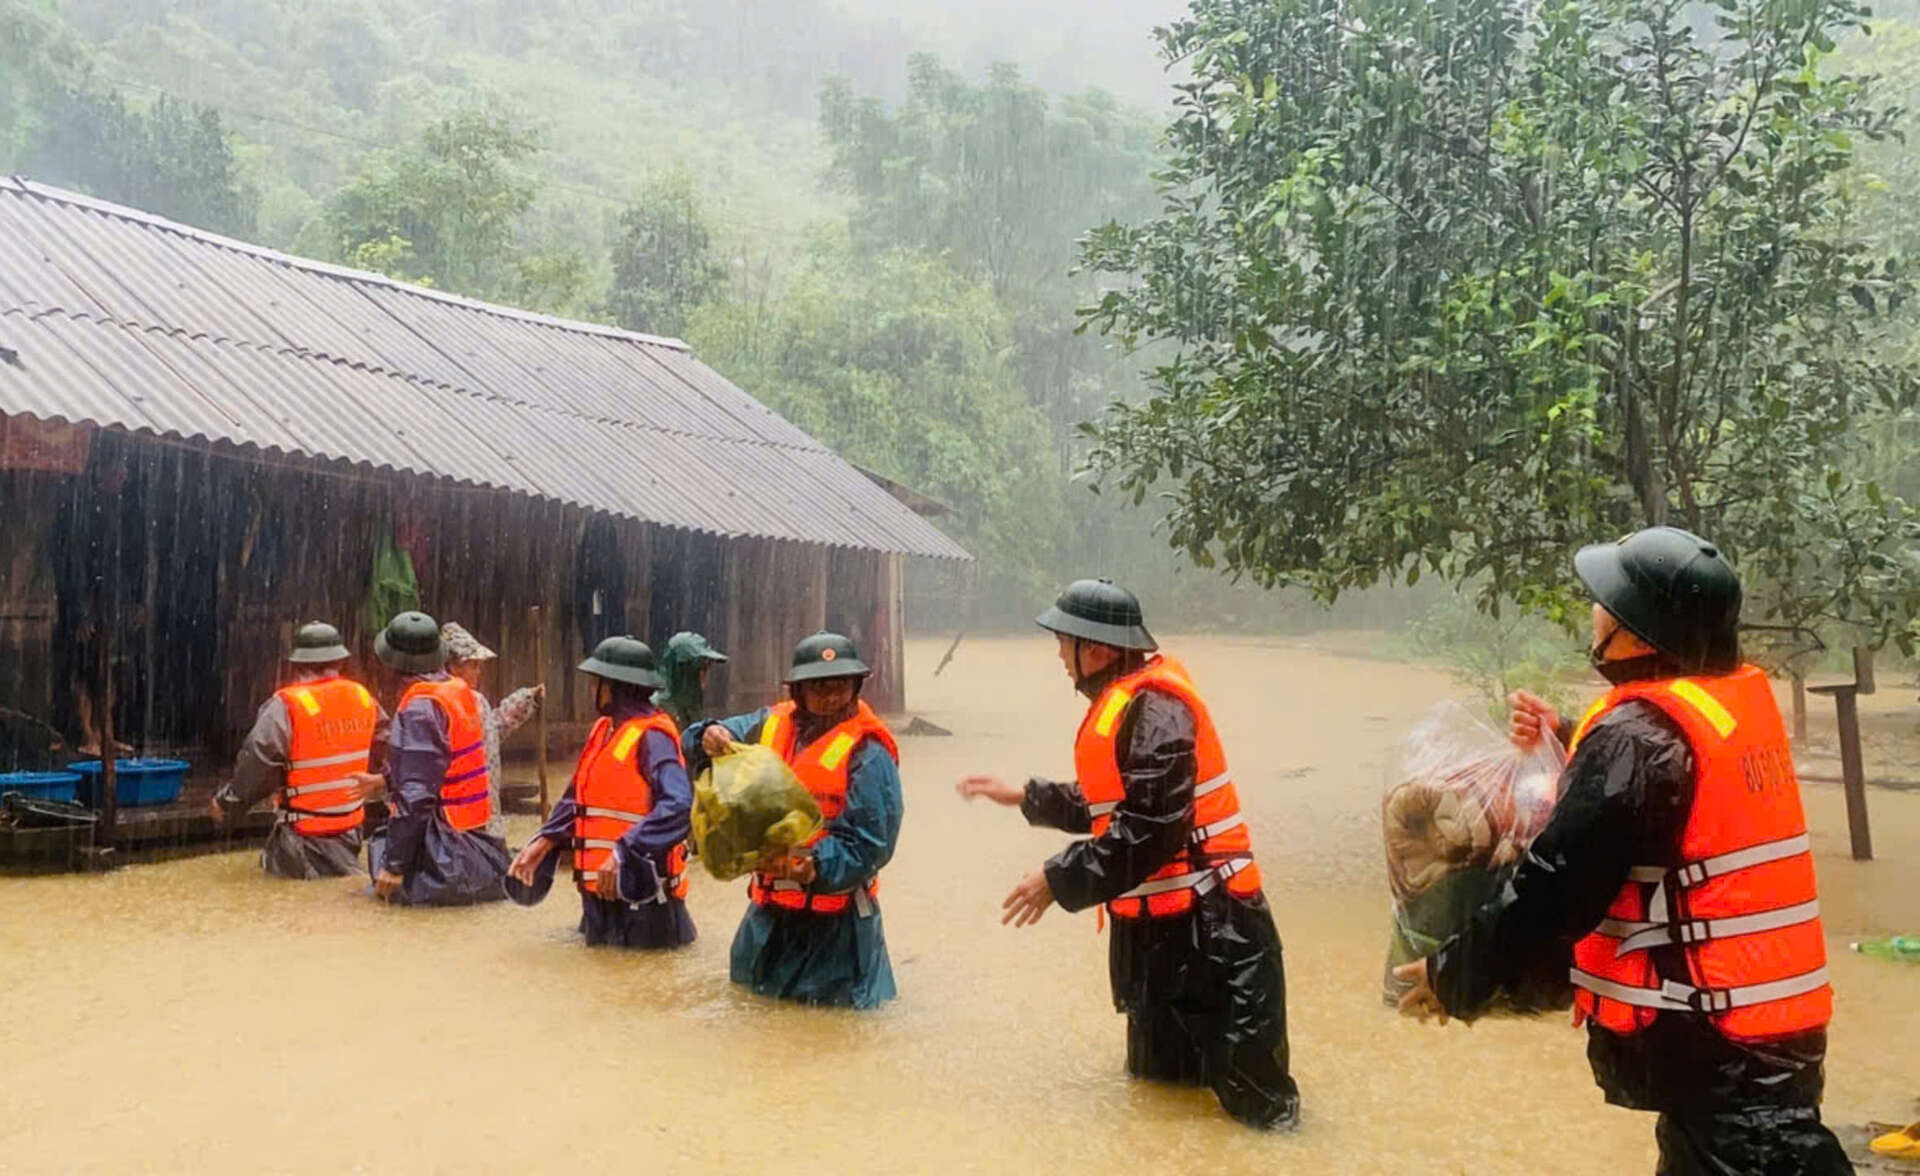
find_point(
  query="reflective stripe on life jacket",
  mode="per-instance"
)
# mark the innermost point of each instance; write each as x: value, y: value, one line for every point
x: 464, y: 800
x: 823, y: 767
x: 611, y: 795
x: 332, y: 722
x: 1741, y: 907
x: 1218, y: 850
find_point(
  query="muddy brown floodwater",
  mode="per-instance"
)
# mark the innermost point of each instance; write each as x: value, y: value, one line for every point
x: 197, y: 1016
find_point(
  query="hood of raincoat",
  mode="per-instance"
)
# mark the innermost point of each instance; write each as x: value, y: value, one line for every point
x: 683, y: 695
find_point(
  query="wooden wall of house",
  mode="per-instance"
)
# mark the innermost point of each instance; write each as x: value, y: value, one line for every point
x: 777, y: 596
x: 29, y: 501
x: 287, y: 542
x: 864, y: 603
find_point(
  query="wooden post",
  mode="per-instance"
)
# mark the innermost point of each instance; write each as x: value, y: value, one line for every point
x: 540, y: 713
x: 894, y: 590
x: 150, y: 609
x: 1799, y: 706
x: 109, y: 768
x: 817, y: 592
x: 1852, y: 775
x: 734, y: 639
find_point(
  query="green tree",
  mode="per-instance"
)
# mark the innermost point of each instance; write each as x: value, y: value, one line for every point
x: 1456, y: 287
x: 901, y: 365
x: 446, y: 212
x: 664, y: 262
x: 1001, y: 180
x: 170, y: 159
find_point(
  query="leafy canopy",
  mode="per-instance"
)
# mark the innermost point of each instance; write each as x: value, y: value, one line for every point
x: 664, y: 261
x: 1459, y: 286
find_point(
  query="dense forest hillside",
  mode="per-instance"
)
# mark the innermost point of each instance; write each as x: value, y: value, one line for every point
x: 869, y: 214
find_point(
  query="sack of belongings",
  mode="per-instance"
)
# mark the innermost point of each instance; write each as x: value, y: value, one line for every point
x: 749, y: 803
x: 1462, y: 805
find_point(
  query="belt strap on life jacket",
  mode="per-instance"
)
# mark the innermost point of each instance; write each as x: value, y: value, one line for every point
x: 827, y: 901
x: 1200, y: 880
x: 291, y: 813
x: 318, y: 786
x: 325, y: 810
x: 668, y: 882
x: 326, y: 761
x: 1637, y: 936
x: 1205, y: 833
x: 590, y: 811
x: 1684, y: 998
x: 1199, y: 790
x: 1695, y: 873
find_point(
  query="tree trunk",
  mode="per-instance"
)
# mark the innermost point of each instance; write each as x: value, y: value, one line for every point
x: 1643, y: 473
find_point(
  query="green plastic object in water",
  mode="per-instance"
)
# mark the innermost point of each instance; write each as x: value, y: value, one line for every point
x: 748, y: 804
x: 1893, y: 947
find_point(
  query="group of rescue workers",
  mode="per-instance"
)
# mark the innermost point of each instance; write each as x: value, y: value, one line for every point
x: 1675, y: 878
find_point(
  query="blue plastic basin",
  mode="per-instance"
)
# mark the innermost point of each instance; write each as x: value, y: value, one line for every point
x: 59, y: 786
x: 139, y: 781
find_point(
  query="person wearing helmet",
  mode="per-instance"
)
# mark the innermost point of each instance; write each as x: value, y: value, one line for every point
x: 625, y: 815
x: 1675, y: 878
x: 467, y: 660
x: 308, y: 751
x: 435, y: 849
x: 812, y: 930
x: 1194, y: 960
x: 684, y: 666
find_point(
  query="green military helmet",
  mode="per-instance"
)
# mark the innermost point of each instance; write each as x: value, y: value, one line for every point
x: 624, y: 659
x: 1102, y: 612
x: 411, y: 644
x: 317, y: 643
x: 826, y: 655
x: 691, y: 648
x: 1673, y: 590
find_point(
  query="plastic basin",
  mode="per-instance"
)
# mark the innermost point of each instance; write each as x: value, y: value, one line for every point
x: 139, y: 781
x: 61, y: 786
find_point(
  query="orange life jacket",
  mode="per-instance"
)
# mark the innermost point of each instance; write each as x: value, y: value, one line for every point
x: 611, y: 795
x: 464, y: 802
x: 822, y: 767
x: 1218, y: 849
x: 1741, y: 903
x: 332, y: 720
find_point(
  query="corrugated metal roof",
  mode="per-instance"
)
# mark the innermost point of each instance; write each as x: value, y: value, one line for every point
x: 121, y: 319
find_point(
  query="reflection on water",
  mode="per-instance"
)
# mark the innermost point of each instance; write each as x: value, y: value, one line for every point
x: 197, y: 1016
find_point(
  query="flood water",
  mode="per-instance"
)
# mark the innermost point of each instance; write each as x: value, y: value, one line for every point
x: 199, y: 1016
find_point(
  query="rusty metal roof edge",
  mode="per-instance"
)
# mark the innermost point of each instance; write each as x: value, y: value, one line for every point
x: 108, y: 208
x: 245, y: 449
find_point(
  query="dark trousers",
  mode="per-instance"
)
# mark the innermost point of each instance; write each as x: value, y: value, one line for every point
x: 1217, y: 1016
x: 1750, y: 1141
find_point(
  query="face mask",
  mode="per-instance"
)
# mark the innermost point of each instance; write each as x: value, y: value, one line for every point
x: 1626, y: 669
x: 1597, y: 654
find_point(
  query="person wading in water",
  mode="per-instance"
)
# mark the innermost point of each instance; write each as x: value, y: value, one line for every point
x: 1195, y: 960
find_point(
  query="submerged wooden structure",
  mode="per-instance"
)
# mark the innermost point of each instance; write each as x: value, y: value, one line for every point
x: 204, y: 443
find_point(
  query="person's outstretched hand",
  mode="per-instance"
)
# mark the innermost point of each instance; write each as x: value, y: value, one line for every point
x: 1028, y: 901
x: 528, y: 860
x: 991, y: 787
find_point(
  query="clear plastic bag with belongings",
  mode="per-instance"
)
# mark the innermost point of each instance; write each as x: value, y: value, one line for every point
x: 749, y: 803
x: 1462, y: 805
